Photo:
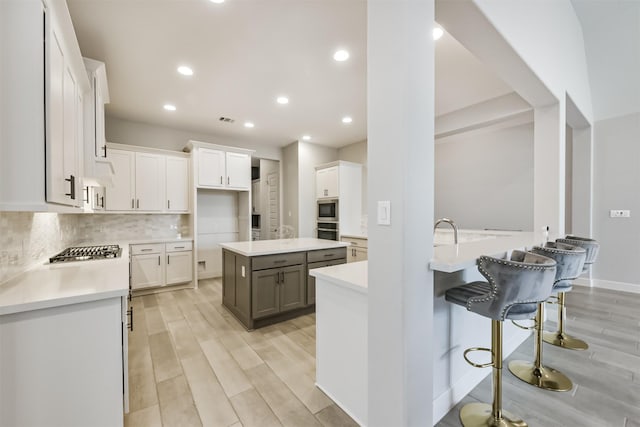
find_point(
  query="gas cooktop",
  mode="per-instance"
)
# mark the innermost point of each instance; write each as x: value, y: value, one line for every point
x: 86, y: 253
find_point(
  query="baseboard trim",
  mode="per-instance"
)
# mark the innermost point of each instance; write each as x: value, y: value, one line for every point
x: 345, y: 409
x: 450, y: 398
x: 608, y: 284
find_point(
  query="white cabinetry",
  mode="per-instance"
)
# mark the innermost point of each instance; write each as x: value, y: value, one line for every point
x: 223, y: 169
x: 161, y: 264
x: 177, y: 184
x: 357, y: 251
x: 146, y: 181
x: 150, y: 182
x: 327, y: 182
x: 65, y: 366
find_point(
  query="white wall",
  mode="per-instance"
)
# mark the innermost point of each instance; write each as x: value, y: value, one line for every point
x: 357, y: 153
x: 290, y: 187
x: 135, y: 133
x: 485, y: 179
x: 617, y: 186
x: 310, y: 156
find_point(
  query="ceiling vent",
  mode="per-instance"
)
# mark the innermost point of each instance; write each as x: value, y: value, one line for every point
x: 226, y: 120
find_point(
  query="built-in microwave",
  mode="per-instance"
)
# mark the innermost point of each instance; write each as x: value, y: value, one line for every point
x: 328, y: 210
x: 327, y: 230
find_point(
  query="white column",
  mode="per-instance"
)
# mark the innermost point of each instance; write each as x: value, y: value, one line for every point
x: 549, y: 168
x: 400, y: 141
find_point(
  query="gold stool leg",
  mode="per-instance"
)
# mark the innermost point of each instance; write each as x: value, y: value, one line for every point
x: 483, y: 414
x: 560, y: 338
x: 536, y: 374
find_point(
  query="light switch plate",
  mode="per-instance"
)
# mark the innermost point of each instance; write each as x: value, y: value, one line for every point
x: 384, y: 212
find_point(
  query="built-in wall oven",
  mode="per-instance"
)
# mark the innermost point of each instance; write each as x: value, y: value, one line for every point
x: 328, y: 210
x: 327, y: 230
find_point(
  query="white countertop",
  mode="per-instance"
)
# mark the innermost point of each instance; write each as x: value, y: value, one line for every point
x: 51, y: 285
x: 269, y: 247
x: 352, y: 275
x: 450, y: 257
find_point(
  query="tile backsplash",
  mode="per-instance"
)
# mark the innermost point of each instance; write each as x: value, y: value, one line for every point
x: 27, y: 238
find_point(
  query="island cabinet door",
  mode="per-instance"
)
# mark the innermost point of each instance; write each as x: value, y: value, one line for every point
x: 292, y: 287
x: 265, y: 299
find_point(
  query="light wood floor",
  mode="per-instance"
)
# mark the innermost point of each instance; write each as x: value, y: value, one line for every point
x: 606, y: 377
x: 191, y: 363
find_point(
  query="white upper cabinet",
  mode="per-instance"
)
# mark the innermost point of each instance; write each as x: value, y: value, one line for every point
x: 120, y: 196
x: 150, y: 182
x: 43, y: 86
x: 327, y: 183
x: 221, y: 167
x: 211, y: 168
x: 147, y: 181
x: 177, y: 184
x: 238, y: 171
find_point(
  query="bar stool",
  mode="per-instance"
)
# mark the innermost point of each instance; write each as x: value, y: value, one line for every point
x: 513, y: 290
x: 560, y: 338
x: 569, y: 260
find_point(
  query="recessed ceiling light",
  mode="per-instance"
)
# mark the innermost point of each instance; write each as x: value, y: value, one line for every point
x: 169, y: 107
x: 437, y: 33
x: 185, y: 71
x: 347, y: 119
x: 217, y: 1
x: 306, y: 137
x: 341, y: 55
x: 282, y: 100
x: 248, y: 124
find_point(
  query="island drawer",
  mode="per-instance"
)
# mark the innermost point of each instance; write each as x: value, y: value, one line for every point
x: 279, y: 260
x: 326, y: 254
x: 147, y: 249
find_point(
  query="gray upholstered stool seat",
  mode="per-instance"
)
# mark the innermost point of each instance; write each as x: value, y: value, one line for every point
x: 560, y: 338
x: 513, y: 291
x: 570, y: 261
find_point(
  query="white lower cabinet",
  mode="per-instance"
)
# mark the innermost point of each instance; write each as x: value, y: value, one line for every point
x: 161, y: 264
x: 64, y: 366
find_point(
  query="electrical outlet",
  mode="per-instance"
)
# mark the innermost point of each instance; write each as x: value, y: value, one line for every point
x: 619, y: 213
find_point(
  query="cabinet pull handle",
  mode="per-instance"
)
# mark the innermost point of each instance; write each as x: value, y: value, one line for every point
x: 130, y: 315
x: 133, y: 203
x: 86, y: 192
x: 282, y: 281
x: 104, y: 150
x: 72, y: 187
x: 327, y: 255
x: 158, y: 259
x: 97, y: 198
x: 228, y: 181
x: 168, y: 204
x: 220, y: 179
x: 178, y: 247
x: 146, y: 250
x: 168, y: 262
x: 138, y: 204
x: 277, y: 277
x: 102, y: 201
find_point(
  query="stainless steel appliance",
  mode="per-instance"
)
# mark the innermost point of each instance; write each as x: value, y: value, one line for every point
x: 86, y: 253
x: 328, y: 230
x: 328, y: 210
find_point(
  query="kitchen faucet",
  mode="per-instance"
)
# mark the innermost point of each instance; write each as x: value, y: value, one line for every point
x: 452, y: 224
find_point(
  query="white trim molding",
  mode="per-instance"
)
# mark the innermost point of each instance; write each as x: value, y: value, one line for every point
x: 609, y: 284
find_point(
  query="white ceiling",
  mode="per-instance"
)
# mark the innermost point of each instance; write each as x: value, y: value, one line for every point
x: 244, y: 54
x: 611, y: 31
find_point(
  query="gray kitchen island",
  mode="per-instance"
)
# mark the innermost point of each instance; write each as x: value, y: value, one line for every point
x: 267, y: 281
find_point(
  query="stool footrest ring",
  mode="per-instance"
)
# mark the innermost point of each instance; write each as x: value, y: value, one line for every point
x: 478, y: 365
x: 526, y: 328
